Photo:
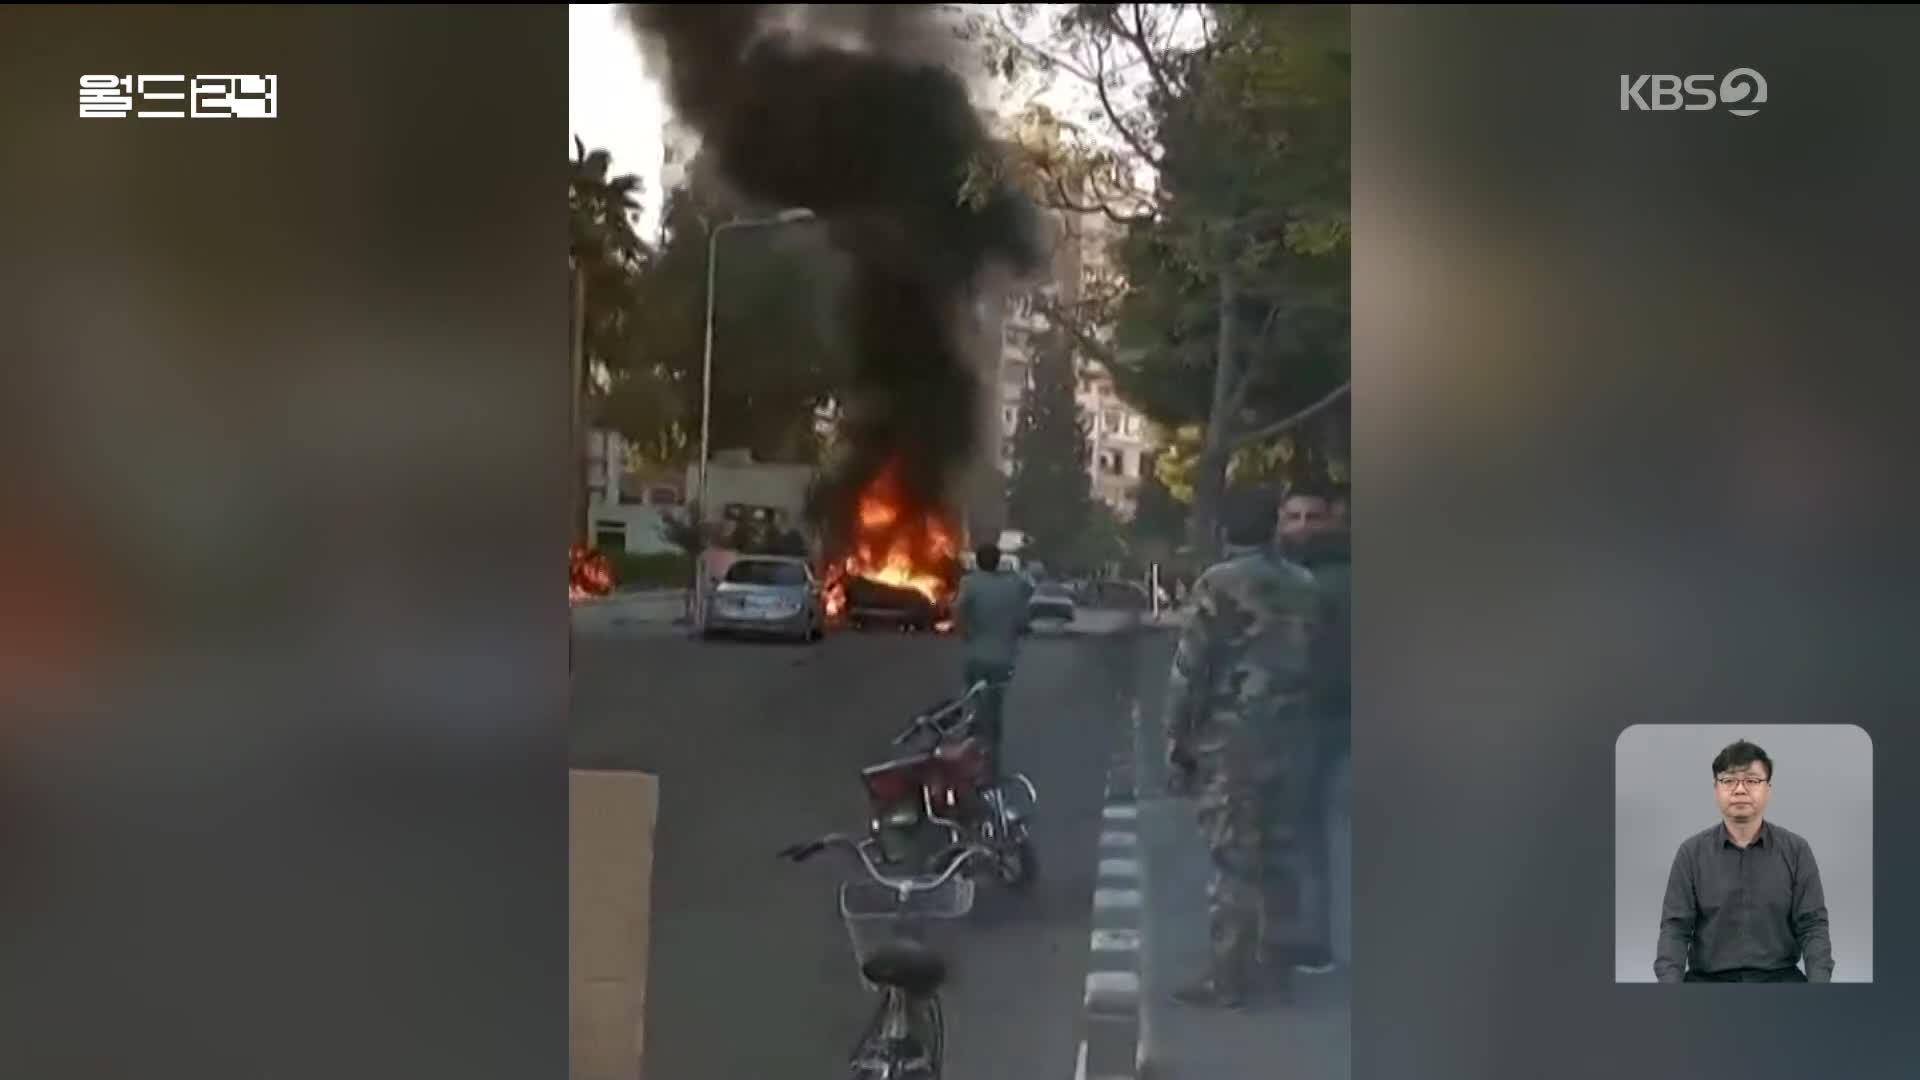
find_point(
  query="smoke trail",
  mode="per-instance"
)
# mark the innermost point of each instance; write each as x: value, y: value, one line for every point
x: 846, y: 112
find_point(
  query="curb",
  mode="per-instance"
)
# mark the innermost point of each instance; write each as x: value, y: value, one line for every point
x: 1109, y: 1047
x: 1143, y: 741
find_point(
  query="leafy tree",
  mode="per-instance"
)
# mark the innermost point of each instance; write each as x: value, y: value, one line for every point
x: 778, y: 353
x: 1227, y: 165
x: 1049, y: 496
x: 1158, y: 515
x: 1101, y: 540
x: 606, y: 257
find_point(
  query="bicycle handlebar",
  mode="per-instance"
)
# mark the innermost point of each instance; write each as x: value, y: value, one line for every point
x: 965, y: 853
x: 932, y: 717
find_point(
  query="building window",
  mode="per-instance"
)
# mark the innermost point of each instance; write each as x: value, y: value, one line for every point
x: 609, y: 536
x: 1133, y: 424
x: 1113, y: 421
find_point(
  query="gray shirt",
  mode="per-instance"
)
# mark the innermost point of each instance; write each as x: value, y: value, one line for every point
x: 1730, y: 908
x: 990, y: 613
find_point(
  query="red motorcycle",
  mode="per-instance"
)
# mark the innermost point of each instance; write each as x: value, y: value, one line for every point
x: 949, y: 792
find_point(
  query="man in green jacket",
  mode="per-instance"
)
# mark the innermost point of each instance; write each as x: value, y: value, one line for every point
x: 990, y: 615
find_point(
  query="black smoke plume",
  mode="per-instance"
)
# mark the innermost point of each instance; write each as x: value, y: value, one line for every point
x: 875, y: 139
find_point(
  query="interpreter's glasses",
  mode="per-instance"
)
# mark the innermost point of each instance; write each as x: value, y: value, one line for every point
x: 1731, y: 782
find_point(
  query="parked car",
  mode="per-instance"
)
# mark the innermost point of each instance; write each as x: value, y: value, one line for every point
x: 771, y: 595
x: 1051, y: 602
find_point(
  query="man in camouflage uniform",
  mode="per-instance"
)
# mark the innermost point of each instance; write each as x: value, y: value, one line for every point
x: 1241, y: 734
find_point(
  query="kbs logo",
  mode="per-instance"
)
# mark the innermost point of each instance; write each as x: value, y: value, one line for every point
x: 1741, y: 92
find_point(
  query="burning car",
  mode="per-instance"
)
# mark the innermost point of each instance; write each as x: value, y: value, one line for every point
x: 901, y: 566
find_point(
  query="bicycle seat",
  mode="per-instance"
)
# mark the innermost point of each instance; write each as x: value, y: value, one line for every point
x: 907, y: 966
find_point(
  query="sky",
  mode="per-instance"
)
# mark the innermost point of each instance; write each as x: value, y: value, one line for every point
x: 612, y: 103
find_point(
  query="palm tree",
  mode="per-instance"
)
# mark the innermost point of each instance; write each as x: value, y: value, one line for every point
x: 605, y: 256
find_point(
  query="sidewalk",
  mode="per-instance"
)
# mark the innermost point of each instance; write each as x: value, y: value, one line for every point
x: 1308, y: 1039
x: 637, y: 610
x: 611, y: 832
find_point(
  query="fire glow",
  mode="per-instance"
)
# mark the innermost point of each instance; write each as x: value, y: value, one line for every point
x: 589, y: 574
x: 894, y: 547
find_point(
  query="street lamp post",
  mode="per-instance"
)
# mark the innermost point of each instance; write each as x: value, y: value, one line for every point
x: 792, y: 216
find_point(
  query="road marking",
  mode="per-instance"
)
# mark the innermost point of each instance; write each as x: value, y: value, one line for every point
x: 1110, y: 1044
x: 1112, y: 991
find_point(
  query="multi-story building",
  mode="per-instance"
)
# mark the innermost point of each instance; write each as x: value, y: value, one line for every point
x: 1117, y: 438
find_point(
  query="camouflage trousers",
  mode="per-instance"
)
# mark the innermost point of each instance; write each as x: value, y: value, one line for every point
x: 1261, y: 837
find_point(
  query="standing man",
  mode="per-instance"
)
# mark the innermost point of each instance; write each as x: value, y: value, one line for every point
x: 990, y: 614
x: 1306, y: 512
x: 1744, y: 901
x: 1239, y: 729
x: 1327, y: 552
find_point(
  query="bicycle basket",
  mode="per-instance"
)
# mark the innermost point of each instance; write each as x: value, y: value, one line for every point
x: 876, y: 915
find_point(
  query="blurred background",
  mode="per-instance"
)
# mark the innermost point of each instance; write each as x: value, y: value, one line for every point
x: 283, y: 677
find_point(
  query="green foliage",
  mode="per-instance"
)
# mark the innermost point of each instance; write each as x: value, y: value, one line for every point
x: 1101, y: 540
x: 777, y: 355
x: 655, y: 571
x: 684, y: 531
x: 623, y: 389
x: 1242, y: 126
x: 1049, y: 495
x: 1255, y: 181
x: 1158, y: 514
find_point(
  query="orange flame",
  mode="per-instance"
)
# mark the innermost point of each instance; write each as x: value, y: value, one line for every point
x: 894, y: 548
x: 589, y: 574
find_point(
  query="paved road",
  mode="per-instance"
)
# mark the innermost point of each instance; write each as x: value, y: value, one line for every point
x: 758, y: 745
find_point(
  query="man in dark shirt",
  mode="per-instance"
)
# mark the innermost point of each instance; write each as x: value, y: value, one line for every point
x: 1744, y: 901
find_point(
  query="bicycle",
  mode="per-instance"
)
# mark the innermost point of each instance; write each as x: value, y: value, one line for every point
x: 884, y: 917
x: 987, y: 805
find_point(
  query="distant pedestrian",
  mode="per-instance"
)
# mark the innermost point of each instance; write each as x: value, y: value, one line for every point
x: 1240, y: 732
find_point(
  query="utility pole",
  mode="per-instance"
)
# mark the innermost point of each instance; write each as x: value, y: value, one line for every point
x: 792, y: 216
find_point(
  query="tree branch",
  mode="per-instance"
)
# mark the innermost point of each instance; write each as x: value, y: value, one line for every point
x: 1064, y: 201
x: 1127, y: 135
x: 1155, y: 69
x: 1057, y: 315
x: 1040, y: 56
x: 1280, y: 427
